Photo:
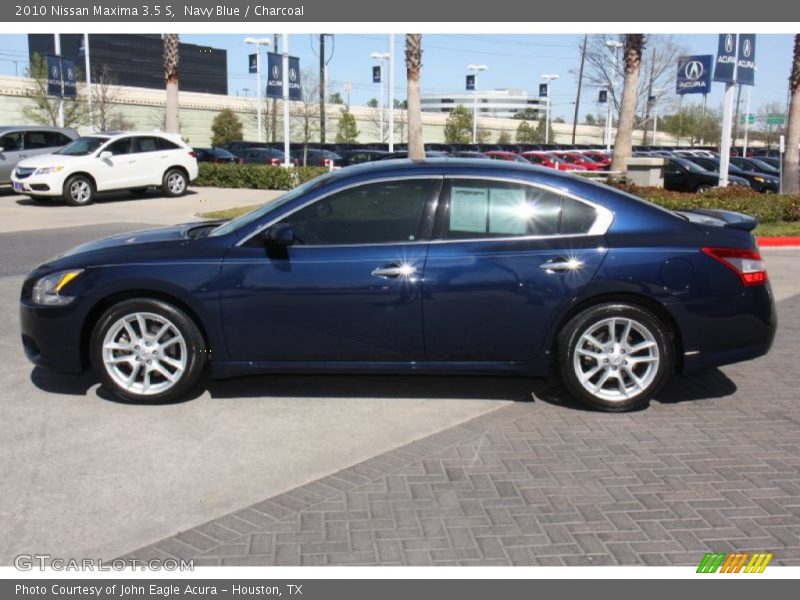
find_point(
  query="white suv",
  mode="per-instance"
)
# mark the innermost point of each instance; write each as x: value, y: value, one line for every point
x: 106, y: 162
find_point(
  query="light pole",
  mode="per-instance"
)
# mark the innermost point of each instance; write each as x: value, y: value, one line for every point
x: 258, y: 43
x: 287, y: 143
x: 390, y: 64
x: 613, y: 45
x: 380, y: 57
x: 548, y: 77
x: 476, y: 69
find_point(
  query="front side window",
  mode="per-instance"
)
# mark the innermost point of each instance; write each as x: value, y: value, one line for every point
x: 376, y: 213
x: 82, y: 146
x: 496, y: 209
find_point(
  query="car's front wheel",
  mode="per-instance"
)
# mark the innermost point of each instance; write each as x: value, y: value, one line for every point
x: 175, y: 183
x: 615, y: 356
x: 78, y: 191
x: 147, y: 350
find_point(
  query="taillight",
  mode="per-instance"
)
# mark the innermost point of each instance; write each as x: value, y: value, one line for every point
x: 747, y: 264
x: 275, y: 162
x: 193, y: 154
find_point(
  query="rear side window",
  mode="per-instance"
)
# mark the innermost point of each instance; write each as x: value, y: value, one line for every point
x: 145, y: 144
x: 487, y: 209
x: 165, y: 144
x: 36, y: 139
x: 121, y: 146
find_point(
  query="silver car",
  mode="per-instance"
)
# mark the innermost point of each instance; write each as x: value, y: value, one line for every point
x: 23, y: 141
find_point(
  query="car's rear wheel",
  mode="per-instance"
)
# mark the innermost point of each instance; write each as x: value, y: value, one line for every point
x: 147, y: 350
x: 175, y: 183
x: 615, y: 356
x: 78, y: 191
x: 703, y: 188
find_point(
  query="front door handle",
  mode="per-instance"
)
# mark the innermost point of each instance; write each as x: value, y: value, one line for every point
x: 393, y: 270
x: 560, y: 265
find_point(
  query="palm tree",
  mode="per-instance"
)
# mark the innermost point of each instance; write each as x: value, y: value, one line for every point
x: 171, y: 58
x: 632, y: 60
x: 791, y: 158
x: 416, y: 149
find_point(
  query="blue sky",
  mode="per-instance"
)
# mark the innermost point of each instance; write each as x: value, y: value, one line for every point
x: 514, y: 61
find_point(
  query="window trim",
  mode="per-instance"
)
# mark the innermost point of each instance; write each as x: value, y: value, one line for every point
x: 601, y: 224
x: 600, y: 227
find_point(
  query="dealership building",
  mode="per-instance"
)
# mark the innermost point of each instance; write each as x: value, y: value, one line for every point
x: 503, y: 104
x: 136, y: 60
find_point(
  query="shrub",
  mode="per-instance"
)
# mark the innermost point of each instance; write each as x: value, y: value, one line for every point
x: 256, y: 177
x: 767, y: 208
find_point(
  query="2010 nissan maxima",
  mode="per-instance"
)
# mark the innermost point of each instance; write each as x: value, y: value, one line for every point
x: 438, y: 266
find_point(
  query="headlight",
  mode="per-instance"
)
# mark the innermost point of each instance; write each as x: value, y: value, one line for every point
x: 48, y: 170
x: 759, y: 179
x: 48, y: 290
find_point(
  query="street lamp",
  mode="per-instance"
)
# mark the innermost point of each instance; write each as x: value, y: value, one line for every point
x: 548, y: 77
x: 380, y: 57
x: 653, y: 102
x: 475, y: 70
x: 613, y: 45
x: 258, y: 42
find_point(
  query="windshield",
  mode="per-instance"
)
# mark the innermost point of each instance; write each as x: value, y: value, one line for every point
x: 689, y: 165
x: 82, y: 146
x: 256, y: 214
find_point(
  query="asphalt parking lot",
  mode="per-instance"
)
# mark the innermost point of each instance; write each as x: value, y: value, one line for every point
x: 392, y: 470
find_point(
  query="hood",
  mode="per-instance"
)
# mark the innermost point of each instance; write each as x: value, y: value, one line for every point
x: 48, y: 160
x: 132, y: 239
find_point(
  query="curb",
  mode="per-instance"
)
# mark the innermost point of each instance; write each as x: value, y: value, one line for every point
x: 777, y: 242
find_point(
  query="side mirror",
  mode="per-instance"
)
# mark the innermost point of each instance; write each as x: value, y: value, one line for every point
x: 280, y: 234
x: 2, y: 149
x: 105, y: 155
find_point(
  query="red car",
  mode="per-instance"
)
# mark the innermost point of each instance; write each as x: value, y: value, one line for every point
x: 573, y: 158
x: 601, y: 158
x: 550, y: 160
x: 503, y: 155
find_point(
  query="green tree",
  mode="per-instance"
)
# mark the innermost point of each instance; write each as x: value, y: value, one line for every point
x: 527, y: 114
x: 43, y: 109
x: 483, y: 135
x: 372, y: 103
x: 227, y: 127
x: 589, y: 119
x: 346, y: 130
x: 525, y: 133
x: 692, y: 126
x: 336, y: 98
x: 458, y: 127
x: 539, y: 134
x: 504, y: 137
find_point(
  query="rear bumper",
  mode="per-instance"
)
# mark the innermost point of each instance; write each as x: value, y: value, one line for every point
x: 728, y: 330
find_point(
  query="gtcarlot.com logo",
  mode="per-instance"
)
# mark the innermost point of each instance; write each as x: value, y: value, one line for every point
x: 28, y: 562
x: 737, y: 562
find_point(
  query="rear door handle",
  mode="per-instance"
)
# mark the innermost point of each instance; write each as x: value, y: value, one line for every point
x: 560, y: 265
x: 393, y: 270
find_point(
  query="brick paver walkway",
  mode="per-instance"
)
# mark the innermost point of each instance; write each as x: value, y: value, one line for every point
x: 713, y: 465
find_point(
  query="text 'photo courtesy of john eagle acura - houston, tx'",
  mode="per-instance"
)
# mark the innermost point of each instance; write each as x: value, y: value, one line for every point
x: 435, y: 266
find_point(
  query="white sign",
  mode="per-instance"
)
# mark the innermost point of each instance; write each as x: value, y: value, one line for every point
x: 783, y: 144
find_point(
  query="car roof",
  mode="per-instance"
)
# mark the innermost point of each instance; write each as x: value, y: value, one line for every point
x: 4, y: 128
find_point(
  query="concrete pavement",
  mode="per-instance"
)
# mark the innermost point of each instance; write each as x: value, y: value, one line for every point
x: 20, y: 213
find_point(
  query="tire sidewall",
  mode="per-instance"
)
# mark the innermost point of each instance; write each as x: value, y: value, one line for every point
x: 195, y: 346
x: 165, y: 184
x: 570, y: 334
x: 68, y: 195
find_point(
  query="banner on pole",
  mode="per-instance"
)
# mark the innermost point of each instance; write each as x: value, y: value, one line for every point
x: 543, y: 90
x: 694, y: 74
x: 470, y: 83
x: 53, y: 75
x: 68, y: 74
x: 376, y: 74
x: 252, y: 63
x: 725, y: 67
x: 746, y: 65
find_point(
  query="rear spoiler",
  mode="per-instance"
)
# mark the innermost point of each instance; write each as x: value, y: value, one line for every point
x: 725, y: 218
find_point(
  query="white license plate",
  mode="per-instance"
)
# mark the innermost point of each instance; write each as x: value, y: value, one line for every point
x: 18, y: 187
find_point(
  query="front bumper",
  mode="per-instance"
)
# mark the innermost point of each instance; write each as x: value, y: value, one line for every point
x: 38, y: 185
x: 51, y: 336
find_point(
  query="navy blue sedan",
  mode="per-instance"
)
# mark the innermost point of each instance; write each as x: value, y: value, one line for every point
x: 439, y: 266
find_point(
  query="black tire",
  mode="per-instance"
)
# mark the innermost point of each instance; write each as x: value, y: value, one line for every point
x: 194, y: 346
x: 175, y: 183
x: 78, y: 191
x: 703, y: 188
x: 615, y: 360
